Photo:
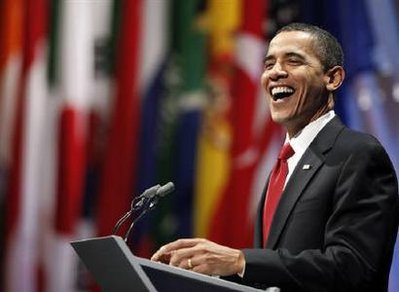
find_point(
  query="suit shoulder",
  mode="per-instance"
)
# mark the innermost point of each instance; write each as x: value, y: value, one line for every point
x: 352, y: 144
x: 353, y: 140
x: 337, y: 137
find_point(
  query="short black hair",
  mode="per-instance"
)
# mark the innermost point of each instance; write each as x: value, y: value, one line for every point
x: 327, y: 46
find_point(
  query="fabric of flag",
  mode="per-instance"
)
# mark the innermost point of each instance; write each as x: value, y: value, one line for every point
x: 10, y: 65
x: 73, y: 90
x: 181, y: 111
x: 191, y: 48
x: 24, y: 192
x: 179, y: 114
x: 11, y: 17
x: 214, y: 141
x: 154, y: 53
x: 118, y: 177
x: 104, y: 16
x: 232, y: 219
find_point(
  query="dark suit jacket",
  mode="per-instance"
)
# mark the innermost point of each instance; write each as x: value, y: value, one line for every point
x: 336, y: 223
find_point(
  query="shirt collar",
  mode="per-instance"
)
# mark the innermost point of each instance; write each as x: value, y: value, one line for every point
x: 301, y: 141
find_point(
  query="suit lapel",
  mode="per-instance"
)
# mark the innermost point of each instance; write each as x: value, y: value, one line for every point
x: 307, y: 167
x: 295, y: 187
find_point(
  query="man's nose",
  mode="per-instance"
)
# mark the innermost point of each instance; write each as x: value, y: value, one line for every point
x: 278, y: 71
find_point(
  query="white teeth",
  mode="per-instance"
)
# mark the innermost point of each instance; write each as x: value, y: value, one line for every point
x: 281, y: 89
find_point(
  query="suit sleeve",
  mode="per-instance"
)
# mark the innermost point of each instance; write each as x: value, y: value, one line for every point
x: 358, y: 238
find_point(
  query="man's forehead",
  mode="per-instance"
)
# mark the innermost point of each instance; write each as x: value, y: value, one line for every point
x: 291, y: 42
x: 299, y: 34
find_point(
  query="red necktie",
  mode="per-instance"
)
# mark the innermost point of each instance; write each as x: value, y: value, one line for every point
x: 275, y: 188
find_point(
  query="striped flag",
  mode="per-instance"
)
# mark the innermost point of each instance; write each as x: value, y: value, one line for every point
x: 191, y: 51
x: 11, y: 25
x: 214, y: 142
x: 233, y: 220
x: 179, y: 119
x: 102, y: 22
x: 119, y: 172
x: 72, y: 89
x: 24, y: 196
x: 11, y: 18
x: 154, y: 53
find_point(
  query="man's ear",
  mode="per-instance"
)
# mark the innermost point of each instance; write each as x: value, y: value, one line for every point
x: 334, y: 78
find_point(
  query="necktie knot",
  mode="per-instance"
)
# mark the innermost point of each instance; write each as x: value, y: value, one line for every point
x: 286, y: 152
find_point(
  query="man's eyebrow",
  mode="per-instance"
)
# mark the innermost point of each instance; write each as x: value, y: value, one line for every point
x: 296, y: 55
x: 267, y: 58
x: 286, y: 55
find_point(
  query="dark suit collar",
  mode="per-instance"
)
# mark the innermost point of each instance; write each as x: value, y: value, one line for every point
x: 307, y: 167
x: 325, y: 140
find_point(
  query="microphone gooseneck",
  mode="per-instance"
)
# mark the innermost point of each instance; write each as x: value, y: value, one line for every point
x: 143, y: 203
x: 150, y: 204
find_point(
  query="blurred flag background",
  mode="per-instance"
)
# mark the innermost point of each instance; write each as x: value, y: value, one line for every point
x: 101, y: 99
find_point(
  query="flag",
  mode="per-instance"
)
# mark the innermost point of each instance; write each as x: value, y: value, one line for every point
x: 11, y: 22
x: 190, y: 47
x: 102, y: 21
x: 154, y: 52
x: 233, y: 219
x: 119, y: 172
x: 24, y: 193
x: 179, y: 119
x: 10, y: 66
x: 73, y: 89
x: 214, y: 142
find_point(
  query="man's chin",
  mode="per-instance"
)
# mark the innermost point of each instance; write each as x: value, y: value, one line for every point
x: 280, y: 119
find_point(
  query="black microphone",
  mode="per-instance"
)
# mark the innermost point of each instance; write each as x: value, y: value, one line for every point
x: 152, y: 193
x: 136, y: 204
x: 139, y: 201
x: 150, y: 202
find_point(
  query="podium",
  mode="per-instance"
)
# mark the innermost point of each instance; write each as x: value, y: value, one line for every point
x: 116, y: 269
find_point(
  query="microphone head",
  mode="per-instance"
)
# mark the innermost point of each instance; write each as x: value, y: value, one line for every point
x: 165, y: 189
x: 151, y: 192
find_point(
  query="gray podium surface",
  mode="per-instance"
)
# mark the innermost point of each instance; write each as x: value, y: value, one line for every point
x: 116, y: 269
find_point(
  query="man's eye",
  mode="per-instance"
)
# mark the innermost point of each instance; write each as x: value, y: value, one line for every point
x: 295, y: 61
x: 268, y: 65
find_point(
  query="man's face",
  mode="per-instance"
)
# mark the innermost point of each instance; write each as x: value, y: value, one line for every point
x: 294, y: 81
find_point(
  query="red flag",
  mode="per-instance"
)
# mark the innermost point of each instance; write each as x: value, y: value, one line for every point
x: 119, y: 173
x: 232, y: 223
x: 11, y: 16
x: 24, y: 193
x: 73, y: 91
x: 214, y: 141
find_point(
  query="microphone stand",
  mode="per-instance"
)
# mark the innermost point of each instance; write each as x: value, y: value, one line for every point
x: 143, y: 203
x: 150, y: 204
x: 137, y: 204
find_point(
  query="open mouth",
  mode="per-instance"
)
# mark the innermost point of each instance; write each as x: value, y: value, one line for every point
x: 281, y: 92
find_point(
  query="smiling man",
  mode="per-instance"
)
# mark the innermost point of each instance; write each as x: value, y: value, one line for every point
x: 300, y: 78
x: 328, y: 217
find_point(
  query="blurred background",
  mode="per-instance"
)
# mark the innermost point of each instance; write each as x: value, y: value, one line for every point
x: 102, y: 99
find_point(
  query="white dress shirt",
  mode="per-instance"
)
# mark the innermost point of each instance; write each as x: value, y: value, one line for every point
x: 301, y: 141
